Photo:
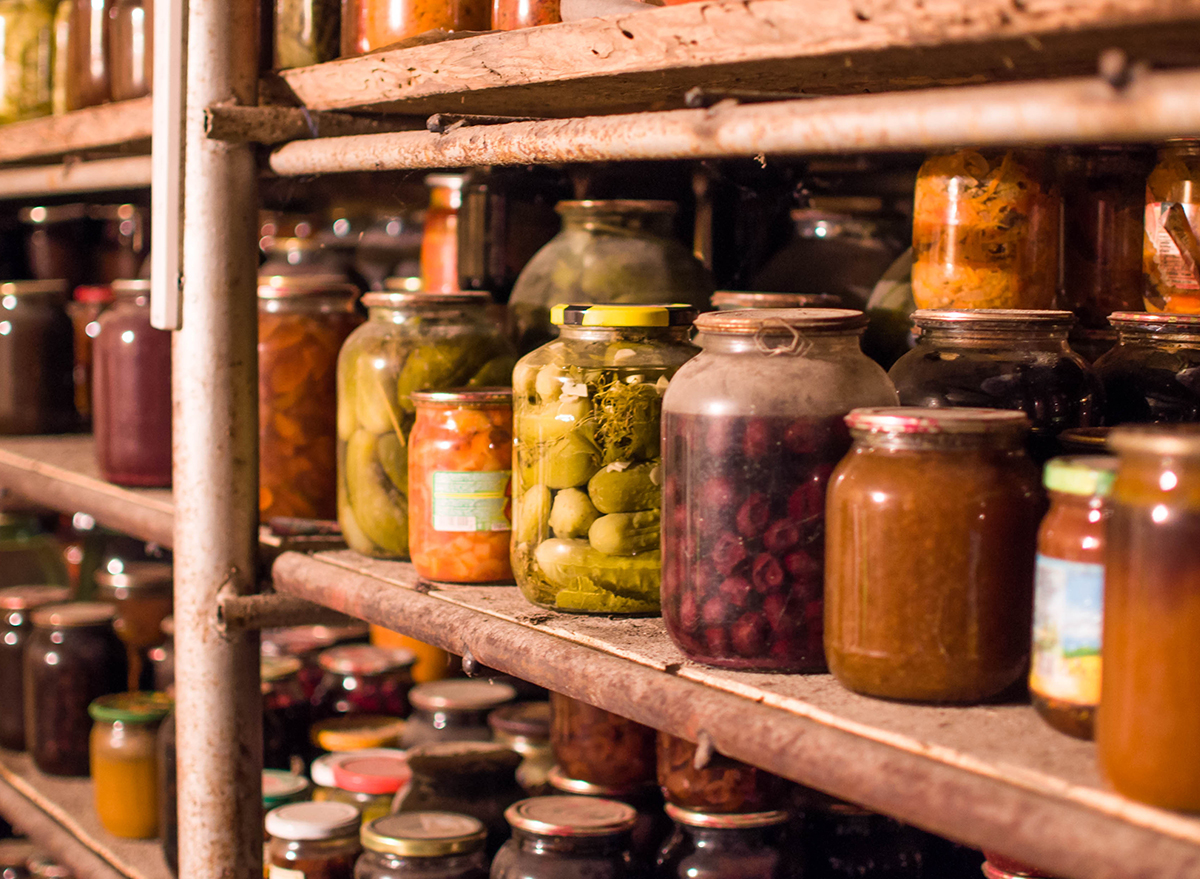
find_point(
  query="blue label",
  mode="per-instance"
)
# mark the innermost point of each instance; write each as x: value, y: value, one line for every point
x: 1068, y: 618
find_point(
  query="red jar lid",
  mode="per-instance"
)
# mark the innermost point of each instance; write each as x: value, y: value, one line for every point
x: 363, y: 659
x: 100, y: 293
x: 371, y: 774
x: 29, y: 597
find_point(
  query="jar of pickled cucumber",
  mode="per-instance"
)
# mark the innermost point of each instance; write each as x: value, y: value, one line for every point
x: 410, y: 342
x: 587, y: 459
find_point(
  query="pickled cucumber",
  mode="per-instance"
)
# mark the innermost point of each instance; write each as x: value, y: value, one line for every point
x: 531, y: 514
x: 374, y: 390
x: 393, y: 457
x: 574, y: 566
x: 572, y: 514
x: 552, y: 420
x: 446, y: 364
x: 625, y: 533
x: 496, y: 372
x: 569, y: 462
x: 625, y: 487
x: 380, y: 510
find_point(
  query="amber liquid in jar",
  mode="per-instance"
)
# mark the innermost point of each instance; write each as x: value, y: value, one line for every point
x: 511, y: 15
x: 596, y: 746
x: 722, y: 786
x: 383, y: 22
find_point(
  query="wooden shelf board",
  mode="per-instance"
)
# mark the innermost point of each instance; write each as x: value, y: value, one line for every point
x: 649, y: 60
x: 123, y: 126
x: 991, y: 776
x: 58, y: 814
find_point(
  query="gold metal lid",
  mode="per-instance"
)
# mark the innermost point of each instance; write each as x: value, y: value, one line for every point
x: 470, y: 396
x: 558, y: 780
x: 571, y: 816
x: 894, y: 420
x: 289, y: 286
x: 993, y: 318
x: 135, y: 579
x: 725, y: 822
x: 1168, y: 440
x: 753, y: 321
x: 424, y: 834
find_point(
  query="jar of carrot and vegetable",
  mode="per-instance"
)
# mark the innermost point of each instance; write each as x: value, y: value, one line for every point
x: 1169, y: 244
x: 124, y: 762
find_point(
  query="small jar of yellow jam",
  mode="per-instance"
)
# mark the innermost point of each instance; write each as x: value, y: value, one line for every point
x: 124, y: 767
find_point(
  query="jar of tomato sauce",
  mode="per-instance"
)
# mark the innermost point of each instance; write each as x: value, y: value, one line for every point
x: 460, y: 485
x: 1148, y: 733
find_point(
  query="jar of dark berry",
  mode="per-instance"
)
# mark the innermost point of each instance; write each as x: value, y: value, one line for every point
x: 17, y: 603
x: 567, y: 838
x: 752, y: 429
x: 361, y: 679
x: 1150, y: 374
x: 721, y: 846
x: 285, y: 711
x: 843, y: 841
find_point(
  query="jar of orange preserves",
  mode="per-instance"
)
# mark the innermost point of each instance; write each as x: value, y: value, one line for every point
x: 460, y: 485
x: 124, y: 761
x: 372, y: 24
x: 439, y: 241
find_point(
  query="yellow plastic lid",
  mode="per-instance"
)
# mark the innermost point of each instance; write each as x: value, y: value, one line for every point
x: 672, y: 315
x: 356, y: 732
x: 1083, y: 475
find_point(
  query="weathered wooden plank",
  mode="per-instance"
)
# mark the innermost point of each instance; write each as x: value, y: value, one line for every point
x: 648, y: 60
x: 92, y: 129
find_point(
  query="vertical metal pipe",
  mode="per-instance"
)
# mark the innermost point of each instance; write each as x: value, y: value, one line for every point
x: 216, y: 460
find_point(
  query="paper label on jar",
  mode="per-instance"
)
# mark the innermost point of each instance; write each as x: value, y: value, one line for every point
x: 471, y: 501
x: 1174, y: 268
x: 1068, y: 614
x: 284, y: 873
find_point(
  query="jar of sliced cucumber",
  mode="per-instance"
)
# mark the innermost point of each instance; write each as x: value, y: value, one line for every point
x: 587, y: 471
x: 410, y: 342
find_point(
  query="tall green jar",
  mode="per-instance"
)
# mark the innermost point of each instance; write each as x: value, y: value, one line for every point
x: 410, y: 342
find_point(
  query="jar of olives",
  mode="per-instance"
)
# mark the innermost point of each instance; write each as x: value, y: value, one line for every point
x: 410, y: 342
x: 587, y: 471
x: 1148, y: 375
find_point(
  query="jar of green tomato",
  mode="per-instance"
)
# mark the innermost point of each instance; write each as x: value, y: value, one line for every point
x: 410, y: 342
x: 587, y: 467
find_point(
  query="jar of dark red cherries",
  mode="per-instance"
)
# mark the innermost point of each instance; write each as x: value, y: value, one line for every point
x: 361, y: 679
x: 752, y: 429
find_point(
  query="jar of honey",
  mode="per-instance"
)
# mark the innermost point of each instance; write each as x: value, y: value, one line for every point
x: 124, y: 762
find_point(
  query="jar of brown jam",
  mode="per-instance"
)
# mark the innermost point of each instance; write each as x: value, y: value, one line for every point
x: 16, y: 605
x: 131, y: 48
x: 565, y: 837
x: 931, y: 530
x: 718, y: 785
x: 596, y: 746
x: 312, y: 841
x: 1149, y: 727
x: 428, y: 845
x: 1068, y: 602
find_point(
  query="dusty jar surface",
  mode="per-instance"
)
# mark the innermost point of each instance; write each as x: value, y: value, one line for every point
x: 564, y: 837
x: 423, y: 845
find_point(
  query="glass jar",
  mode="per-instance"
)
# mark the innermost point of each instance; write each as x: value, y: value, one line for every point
x: 361, y: 679
x: 454, y: 710
x: 596, y: 746
x: 1103, y: 211
x: 312, y: 841
x: 999, y: 867
x: 652, y: 827
x: 473, y: 778
x: 162, y: 658
x: 1146, y: 733
x: 285, y: 711
x: 723, y: 846
x: 357, y: 732
x: 132, y: 391
x: 28, y: 554
x: 721, y: 785
x: 368, y: 781
x: 377, y: 23
x: 410, y: 342
x: 612, y: 251
x: 951, y: 623
x: 511, y: 15
x: 16, y: 605
x: 1068, y: 602
x: 306, y: 32
x: 460, y: 485
x: 131, y: 48
x: 1148, y: 375
x: 124, y: 762
x: 88, y: 302
x: 428, y: 845
x: 439, y: 242
x: 143, y: 595
x: 37, y: 363
x: 986, y: 230
x: 842, y: 841
x: 168, y: 793
x: 746, y: 464
x: 433, y: 663
x: 564, y: 837
x: 587, y: 453
x: 303, y: 321
x: 1002, y: 359
x: 525, y: 727
x: 736, y: 300
x: 280, y: 787
x: 306, y: 643
x: 27, y: 47
x: 1171, y: 279
x: 88, y: 47
x: 73, y: 658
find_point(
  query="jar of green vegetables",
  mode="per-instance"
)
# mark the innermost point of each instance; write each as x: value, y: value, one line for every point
x: 587, y: 471
x: 26, y: 44
x: 410, y: 342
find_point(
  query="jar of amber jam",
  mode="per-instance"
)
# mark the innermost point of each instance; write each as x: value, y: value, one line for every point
x: 124, y: 762
x: 1172, y: 280
x: 1068, y: 603
x: 931, y: 533
x: 372, y: 24
x: 1148, y: 731
x: 1148, y: 376
x: 599, y: 747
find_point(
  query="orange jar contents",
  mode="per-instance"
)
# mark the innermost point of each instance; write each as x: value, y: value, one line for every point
x: 1148, y: 731
x: 511, y: 15
x: 931, y: 532
x: 1068, y: 603
x: 143, y: 594
x: 124, y: 761
x: 460, y: 485
x: 374, y: 24
x: 1171, y: 277
x: 439, y: 242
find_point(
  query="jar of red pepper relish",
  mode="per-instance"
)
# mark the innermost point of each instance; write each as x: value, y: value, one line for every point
x: 752, y: 429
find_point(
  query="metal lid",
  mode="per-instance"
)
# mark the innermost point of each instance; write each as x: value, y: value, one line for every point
x: 303, y: 821
x: 450, y: 181
x: 424, y: 834
x: 621, y: 205
x: 1155, y: 322
x: 559, y: 780
x: 370, y: 774
x: 752, y: 321
x: 470, y: 396
x: 321, y: 768
x: 460, y: 695
x: 364, y: 659
x: 131, y: 287
x: 1091, y: 440
x: 726, y: 822
x: 288, y: 286
x: 280, y: 786
x: 135, y: 579
x: 571, y: 816
x: 29, y: 597
x: 404, y: 284
x: 993, y: 318
x: 1168, y: 440
x: 357, y: 731
x: 463, y: 759
x: 32, y: 288
x: 460, y: 298
x: 667, y: 315
x: 276, y: 668
x: 74, y: 615
x: 1083, y: 475
x: 921, y: 420
x: 527, y: 719
x: 731, y: 299
x: 131, y: 707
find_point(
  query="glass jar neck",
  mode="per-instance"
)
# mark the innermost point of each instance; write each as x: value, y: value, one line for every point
x: 615, y: 221
x: 1001, y: 443
x: 1183, y: 148
x: 1077, y: 501
x: 775, y: 343
x: 446, y: 316
x: 1019, y: 336
x: 1137, y: 335
x: 730, y: 837
x: 678, y: 335
x: 595, y: 846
